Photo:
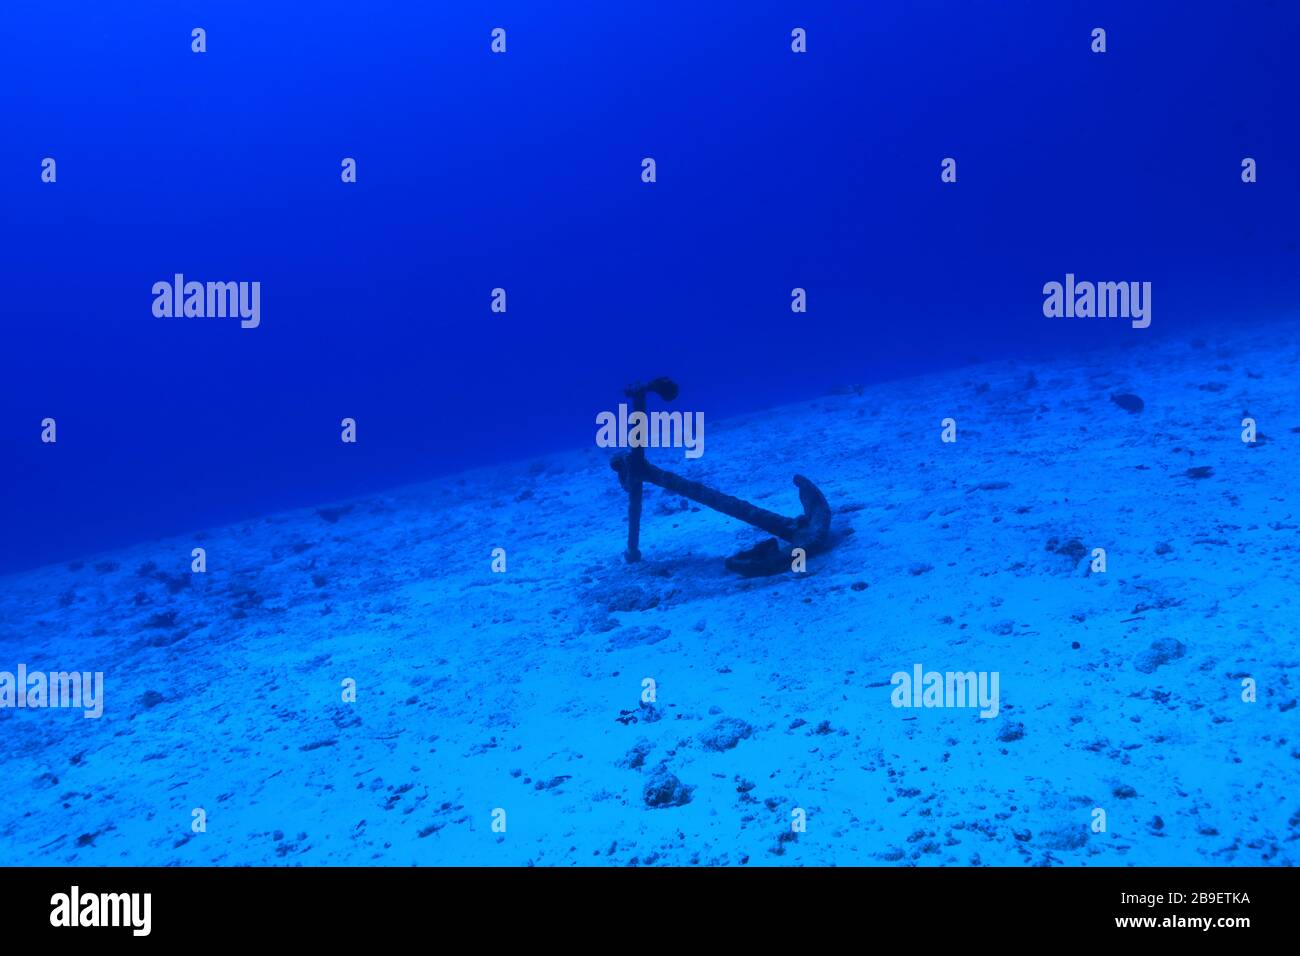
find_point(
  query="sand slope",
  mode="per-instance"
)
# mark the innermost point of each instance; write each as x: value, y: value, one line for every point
x: 521, y: 690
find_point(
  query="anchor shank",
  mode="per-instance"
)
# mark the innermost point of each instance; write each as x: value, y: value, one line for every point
x: 768, y: 521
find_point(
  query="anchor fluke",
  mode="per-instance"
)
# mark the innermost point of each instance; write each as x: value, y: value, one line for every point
x: 813, y: 527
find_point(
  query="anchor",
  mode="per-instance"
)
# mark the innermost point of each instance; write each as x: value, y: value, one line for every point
x: 809, y: 531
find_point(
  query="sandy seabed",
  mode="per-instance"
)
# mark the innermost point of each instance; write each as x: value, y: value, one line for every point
x: 519, y: 694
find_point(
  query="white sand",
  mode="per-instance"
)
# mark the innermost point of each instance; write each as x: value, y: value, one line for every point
x: 479, y: 691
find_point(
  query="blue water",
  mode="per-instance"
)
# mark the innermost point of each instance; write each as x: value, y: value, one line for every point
x: 522, y: 171
x: 775, y: 171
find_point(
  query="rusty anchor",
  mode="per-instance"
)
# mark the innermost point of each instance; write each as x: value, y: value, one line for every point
x: 809, y: 531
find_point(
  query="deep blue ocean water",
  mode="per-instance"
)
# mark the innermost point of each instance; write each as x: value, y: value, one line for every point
x: 522, y: 171
x: 481, y: 689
